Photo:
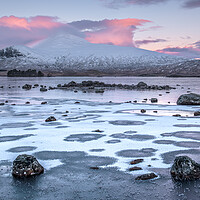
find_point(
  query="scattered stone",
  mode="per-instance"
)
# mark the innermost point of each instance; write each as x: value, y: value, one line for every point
x: 146, y: 176
x: 27, y: 87
x: 77, y: 102
x: 43, y: 89
x: 143, y: 111
x: 2, y: 104
x: 176, y: 115
x: 95, y: 168
x: 134, y: 168
x: 134, y: 162
x: 25, y: 166
x: 196, y: 113
x: 44, y: 102
x: 154, y: 100
x: 184, y: 169
x: 189, y: 99
x: 142, y: 85
x: 99, y: 131
x: 155, y: 111
x: 50, y: 119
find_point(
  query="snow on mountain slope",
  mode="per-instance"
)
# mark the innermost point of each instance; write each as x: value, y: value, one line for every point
x: 64, y: 52
x: 65, y: 44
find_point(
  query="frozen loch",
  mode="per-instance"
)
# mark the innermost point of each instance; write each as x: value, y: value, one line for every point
x: 87, y: 152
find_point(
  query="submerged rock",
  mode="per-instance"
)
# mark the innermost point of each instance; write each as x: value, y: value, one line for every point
x: 134, y: 169
x: 184, y: 168
x: 189, y: 99
x: 146, y: 176
x: 136, y: 161
x: 25, y: 166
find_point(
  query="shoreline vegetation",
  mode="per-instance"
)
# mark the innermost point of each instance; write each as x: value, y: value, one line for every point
x: 89, y: 73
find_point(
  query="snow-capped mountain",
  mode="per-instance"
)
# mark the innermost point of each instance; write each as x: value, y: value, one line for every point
x: 64, y: 52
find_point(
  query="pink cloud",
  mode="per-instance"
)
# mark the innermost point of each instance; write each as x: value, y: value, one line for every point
x: 30, y: 23
x: 192, y: 51
x: 28, y: 31
x: 117, y: 31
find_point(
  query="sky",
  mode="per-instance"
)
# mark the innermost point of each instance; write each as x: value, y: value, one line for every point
x: 166, y: 26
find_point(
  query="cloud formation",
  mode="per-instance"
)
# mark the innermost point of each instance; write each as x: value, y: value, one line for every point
x: 117, y: 31
x: 27, y: 31
x: 192, y: 4
x: 21, y: 31
x: 190, y: 52
x: 141, y: 42
x: 115, y: 4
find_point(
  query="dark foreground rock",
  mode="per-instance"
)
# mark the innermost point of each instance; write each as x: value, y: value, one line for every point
x: 26, y: 166
x: 184, y: 168
x: 50, y: 119
x: 146, y: 176
x: 189, y: 99
x: 197, y: 113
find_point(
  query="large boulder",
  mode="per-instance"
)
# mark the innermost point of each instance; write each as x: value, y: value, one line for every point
x: 184, y: 168
x: 189, y: 99
x: 26, y: 166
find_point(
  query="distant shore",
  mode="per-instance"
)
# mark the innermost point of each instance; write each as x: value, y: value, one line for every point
x: 100, y: 74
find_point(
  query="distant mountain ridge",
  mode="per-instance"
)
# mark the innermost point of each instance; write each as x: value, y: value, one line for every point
x: 72, y: 55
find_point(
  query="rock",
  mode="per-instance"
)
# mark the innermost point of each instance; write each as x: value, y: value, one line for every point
x: 136, y: 161
x: 95, y: 168
x: 27, y: 102
x: 44, y: 102
x: 50, y: 119
x: 184, y: 168
x: 196, y: 113
x: 99, y: 91
x: 25, y: 166
x: 142, y: 85
x: 176, y: 115
x: 146, y: 176
x: 2, y: 104
x: 27, y: 87
x: 189, y: 99
x: 134, y: 168
x: 143, y: 111
x: 43, y: 89
x: 98, y: 131
x: 154, y: 100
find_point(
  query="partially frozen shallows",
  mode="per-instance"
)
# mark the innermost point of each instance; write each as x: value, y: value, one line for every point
x: 96, y: 134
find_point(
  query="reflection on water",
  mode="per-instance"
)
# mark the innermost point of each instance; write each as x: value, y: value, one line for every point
x: 175, y: 113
